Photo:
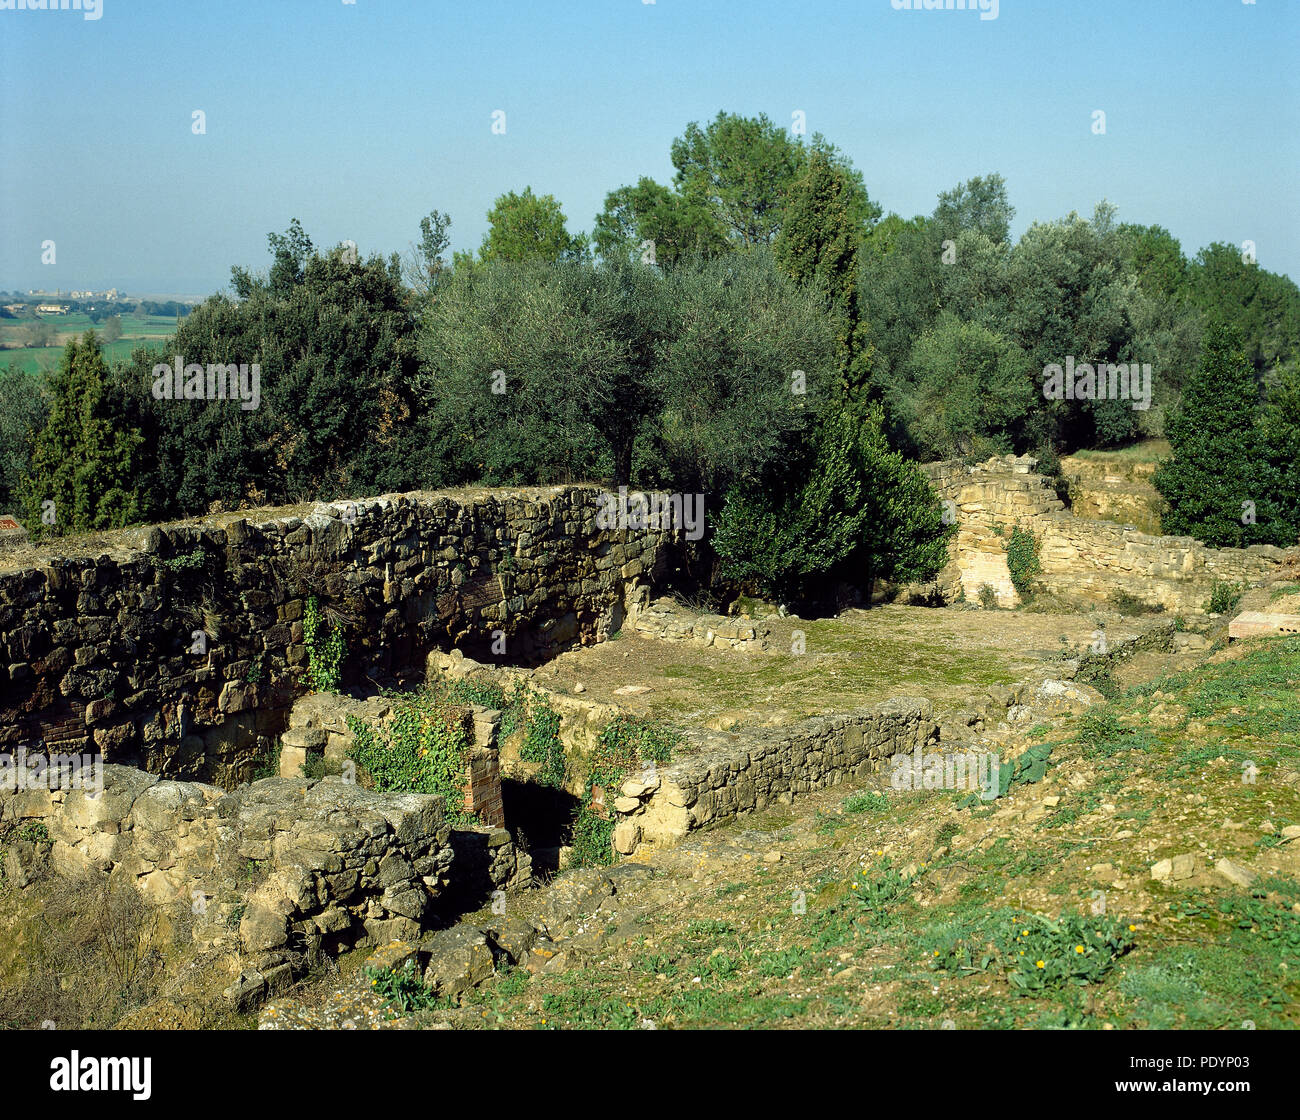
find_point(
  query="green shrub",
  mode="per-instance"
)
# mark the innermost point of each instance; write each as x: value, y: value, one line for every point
x: 24, y: 408
x: 183, y: 561
x: 963, y: 391
x: 335, y: 339
x: 988, y: 597
x: 267, y: 766
x: 402, y: 989
x: 88, y: 458
x: 876, y: 891
x: 866, y: 801
x: 1035, y: 952
x: 1046, y: 953
x: 1224, y: 597
x: 34, y: 832
x: 1103, y: 736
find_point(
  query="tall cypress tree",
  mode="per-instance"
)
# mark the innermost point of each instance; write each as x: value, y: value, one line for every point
x: 1281, y: 432
x: 819, y: 244
x: 86, y: 460
x: 1217, y: 462
x: 845, y: 508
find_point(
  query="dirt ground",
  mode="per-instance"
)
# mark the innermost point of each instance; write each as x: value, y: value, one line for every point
x: 950, y: 656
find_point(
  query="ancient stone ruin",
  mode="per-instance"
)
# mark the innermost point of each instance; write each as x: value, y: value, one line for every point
x: 176, y: 655
x: 180, y: 648
x: 1080, y: 557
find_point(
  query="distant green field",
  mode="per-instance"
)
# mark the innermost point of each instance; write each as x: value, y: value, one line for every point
x: 137, y: 330
x: 35, y: 359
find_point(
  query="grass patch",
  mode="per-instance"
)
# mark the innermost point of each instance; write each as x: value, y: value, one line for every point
x: 1101, y: 735
x: 403, y: 990
x: 868, y: 801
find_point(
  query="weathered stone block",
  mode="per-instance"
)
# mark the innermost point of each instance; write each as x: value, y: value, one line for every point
x: 1250, y: 624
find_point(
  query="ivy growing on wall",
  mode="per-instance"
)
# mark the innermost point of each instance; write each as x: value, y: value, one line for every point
x: 423, y: 749
x: 324, y: 651
x: 1023, y: 562
x: 521, y: 707
x: 542, y: 741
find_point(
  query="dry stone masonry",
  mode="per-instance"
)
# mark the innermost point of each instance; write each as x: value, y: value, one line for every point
x: 731, y: 774
x: 666, y: 621
x: 1110, y: 490
x: 275, y: 873
x: 180, y: 648
x: 319, y: 731
x: 1081, y: 558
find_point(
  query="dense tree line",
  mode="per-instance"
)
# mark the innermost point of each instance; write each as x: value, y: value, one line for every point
x: 755, y: 331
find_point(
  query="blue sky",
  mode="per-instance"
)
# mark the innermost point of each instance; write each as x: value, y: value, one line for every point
x: 360, y: 118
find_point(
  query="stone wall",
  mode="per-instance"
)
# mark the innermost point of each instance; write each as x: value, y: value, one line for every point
x: 318, y: 732
x: 277, y: 872
x: 666, y: 621
x: 180, y: 648
x: 1111, y: 488
x: 1082, y: 558
x: 731, y: 774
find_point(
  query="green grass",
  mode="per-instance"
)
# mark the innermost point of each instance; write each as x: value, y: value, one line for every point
x: 849, y: 667
x: 1234, y: 964
x: 47, y: 357
x: 133, y: 325
x: 152, y: 331
x: 906, y: 951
